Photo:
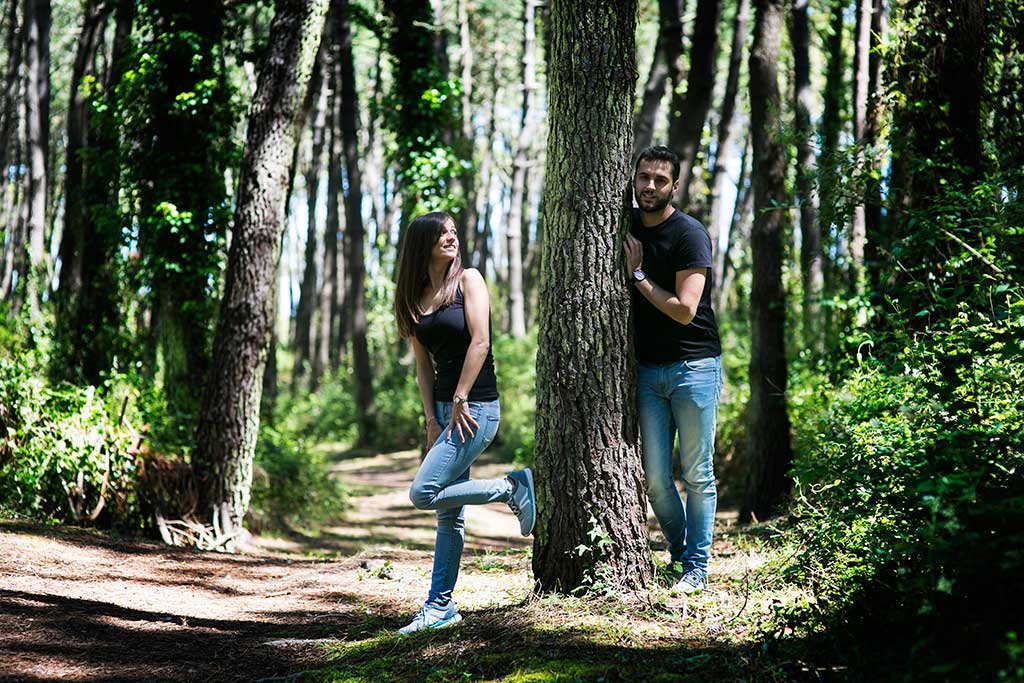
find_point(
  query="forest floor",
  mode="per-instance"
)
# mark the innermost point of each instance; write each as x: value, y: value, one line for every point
x: 82, y: 606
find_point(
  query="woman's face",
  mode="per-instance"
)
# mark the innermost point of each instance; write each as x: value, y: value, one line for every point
x: 446, y: 248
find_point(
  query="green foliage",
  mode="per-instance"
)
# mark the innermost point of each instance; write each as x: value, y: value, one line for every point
x: 515, y: 361
x: 64, y: 456
x: 292, y: 484
x: 909, y: 495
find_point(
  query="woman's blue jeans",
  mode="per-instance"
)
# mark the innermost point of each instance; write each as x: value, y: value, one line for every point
x: 681, y: 397
x: 442, y: 483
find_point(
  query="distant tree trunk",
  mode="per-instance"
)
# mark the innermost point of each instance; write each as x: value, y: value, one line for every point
x: 727, y: 113
x: 590, y: 483
x: 520, y: 159
x: 466, y: 219
x: 37, y: 117
x: 876, y: 241
x: 9, y: 94
x: 307, y: 290
x: 336, y: 211
x: 690, y: 109
x: 86, y: 297
x: 769, y: 452
x: 858, y: 227
x: 482, y: 233
x: 329, y: 283
x: 229, y: 420
x: 666, y: 52
x: 723, y: 271
x: 806, y: 165
x: 829, y: 213
x: 355, y: 232
x: 89, y: 39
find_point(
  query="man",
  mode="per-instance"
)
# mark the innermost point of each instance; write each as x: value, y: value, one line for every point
x: 668, y: 257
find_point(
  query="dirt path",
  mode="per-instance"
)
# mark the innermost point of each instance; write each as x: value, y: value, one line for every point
x: 75, y: 605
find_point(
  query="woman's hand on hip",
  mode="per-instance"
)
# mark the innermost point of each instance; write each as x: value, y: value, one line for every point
x: 462, y: 422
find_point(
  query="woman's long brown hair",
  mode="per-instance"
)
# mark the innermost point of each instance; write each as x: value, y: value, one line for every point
x: 414, y: 274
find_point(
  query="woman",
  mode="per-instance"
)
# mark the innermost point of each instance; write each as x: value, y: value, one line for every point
x: 445, y: 310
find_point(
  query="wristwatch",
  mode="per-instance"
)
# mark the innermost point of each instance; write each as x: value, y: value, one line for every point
x: 639, y: 275
x: 458, y: 400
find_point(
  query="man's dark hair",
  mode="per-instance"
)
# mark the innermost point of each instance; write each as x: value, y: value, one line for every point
x: 659, y: 153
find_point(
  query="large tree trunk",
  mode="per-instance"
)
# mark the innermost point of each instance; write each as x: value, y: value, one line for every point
x: 229, y: 420
x: 355, y: 232
x: 590, y: 483
x: 690, y: 108
x: 727, y: 113
x: 307, y: 289
x: 806, y: 164
x: 12, y: 32
x: 37, y: 117
x: 770, y: 452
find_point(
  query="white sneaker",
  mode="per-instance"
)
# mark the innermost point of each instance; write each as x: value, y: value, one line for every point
x: 432, y: 616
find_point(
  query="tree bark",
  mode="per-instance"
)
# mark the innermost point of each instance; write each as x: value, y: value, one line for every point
x: 806, y: 164
x: 690, y: 109
x: 770, y: 452
x: 229, y: 420
x: 9, y: 95
x: 37, y: 127
x: 355, y: 231
x: 876, y: 243
x: 590, y: 483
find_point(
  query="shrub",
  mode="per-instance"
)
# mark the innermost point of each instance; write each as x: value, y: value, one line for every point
x: 909, y: 499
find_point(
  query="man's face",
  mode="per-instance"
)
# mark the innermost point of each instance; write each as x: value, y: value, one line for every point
x: 653, y: 186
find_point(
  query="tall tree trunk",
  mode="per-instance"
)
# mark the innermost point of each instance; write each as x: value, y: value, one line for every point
x: 229, y: 420
x: 666, y: 52
x: 724, y: 270
x: 806, y: 164
x: 514, y: 228
x: 307, y: 290
x: 466, y: 219
x: 329, y: 283
x: 590, y: 483
x: 355, y: 232
x: 829, y: 214
x: 37, y: 117
x: 727, y: 113
x: 89, y: 39
x: 336, y: 217
x: 858, y: 227
x: 9, y: 94
x: 770, y: 452
x: 482, y: 233
x: 690, y: 109
x: 876, y: 241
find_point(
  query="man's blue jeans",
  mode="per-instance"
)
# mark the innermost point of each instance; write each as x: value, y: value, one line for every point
x: 442, y: 483
x: 681, y: 397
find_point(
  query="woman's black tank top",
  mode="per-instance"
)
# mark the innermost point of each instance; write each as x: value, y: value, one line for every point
x: 445, y: 334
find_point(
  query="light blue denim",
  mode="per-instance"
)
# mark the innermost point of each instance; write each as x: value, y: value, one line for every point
x: 442, y: 483
x: 681, y: 397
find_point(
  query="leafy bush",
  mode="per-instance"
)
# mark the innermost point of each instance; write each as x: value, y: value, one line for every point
x: 909, y: 498
x: 64, y: 457
x: 292, y: 484
x: 516, y: 363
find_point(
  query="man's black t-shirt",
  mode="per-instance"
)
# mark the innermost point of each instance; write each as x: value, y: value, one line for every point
x: 679, y: 243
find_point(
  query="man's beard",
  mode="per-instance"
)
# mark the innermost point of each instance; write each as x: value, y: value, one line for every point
x: 656, y: 205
